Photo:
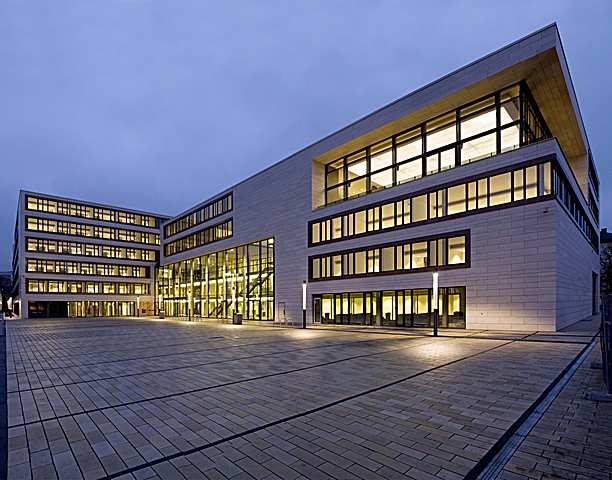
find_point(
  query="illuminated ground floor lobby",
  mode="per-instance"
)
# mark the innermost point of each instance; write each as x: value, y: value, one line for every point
x: 392, y: 308
x: 85, y: 308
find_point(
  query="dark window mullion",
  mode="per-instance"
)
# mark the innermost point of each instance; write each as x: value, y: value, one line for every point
x: 393, y: 161
x: 458, y: 139
x: 522, y: 114
x: 498, y: 123
x: 368, y: 171
x: 345, y: 179
x: 423, y: 151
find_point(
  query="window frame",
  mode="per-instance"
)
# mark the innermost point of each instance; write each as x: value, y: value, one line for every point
x: 373, y: 258
x: 527, y: 105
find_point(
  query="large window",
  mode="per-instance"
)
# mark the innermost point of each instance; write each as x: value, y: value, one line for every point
x: 439, y: 252
x: 393, y: 308
x: 476, y: 131
x: 74, y: 209
x: 95, y: 308
x: 61, y: 227
x: 60, y: 247
x: 86, y: 287
x: 67, y: 267
x: 202, y: 237
x: 568, y: 198
x: 493, y: 191
x: 220, y: 284
x: 203, y: 214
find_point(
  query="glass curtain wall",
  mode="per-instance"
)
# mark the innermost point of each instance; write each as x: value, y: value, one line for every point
x: 503, y: 121
x: 392, y: 308
x: 220, y: 284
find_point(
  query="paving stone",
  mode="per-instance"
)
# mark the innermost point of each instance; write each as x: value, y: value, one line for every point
x: 95, y: 397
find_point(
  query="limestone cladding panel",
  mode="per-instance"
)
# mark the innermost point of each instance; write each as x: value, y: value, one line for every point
x: 511, y: 282
x: 576, y: 263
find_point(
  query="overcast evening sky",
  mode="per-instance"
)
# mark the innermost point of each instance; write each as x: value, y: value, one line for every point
x: 159, y: 104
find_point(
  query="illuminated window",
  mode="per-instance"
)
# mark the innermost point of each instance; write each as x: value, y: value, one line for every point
x: 500, y: 189
x: 455, y: 199
x: 419, y: 208
x: 456, y: 250
x: 490, y: 191
x: 486, y: 127
x: 419, y: 255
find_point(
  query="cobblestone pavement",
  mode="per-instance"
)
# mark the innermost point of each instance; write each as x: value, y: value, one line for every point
x: 573, y: 439
x: 144, y: 399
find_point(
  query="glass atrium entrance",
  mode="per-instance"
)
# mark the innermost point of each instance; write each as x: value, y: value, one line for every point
x: 220, y: 284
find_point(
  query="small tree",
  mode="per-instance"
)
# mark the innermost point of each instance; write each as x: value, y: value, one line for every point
x: 606, y: 271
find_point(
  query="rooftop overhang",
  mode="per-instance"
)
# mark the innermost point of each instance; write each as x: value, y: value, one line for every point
x: 537, y: 59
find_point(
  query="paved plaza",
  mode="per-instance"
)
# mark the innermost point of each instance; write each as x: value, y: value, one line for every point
x: 140, y: 399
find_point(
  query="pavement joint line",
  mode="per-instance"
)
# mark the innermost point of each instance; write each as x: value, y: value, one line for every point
x: 21, y: 338
x: 202, y: 389
x: 195, y: 365
x: 525, y: 338
x: 491, y: 464
x: 163, y: 355
x: 139, y: 348
x: 297, y: 415
x: 284, y: 331
x: 53, y: 332
x: 108, y: 323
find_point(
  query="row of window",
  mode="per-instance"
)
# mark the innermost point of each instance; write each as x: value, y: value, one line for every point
x: 569, y: 199
x: 593, y: 175
x: 81, y: 287
x: 81, y: 308
x: 505, y: 188
x: 95, y: 308
x: 393, y: 308
x: 593, y: 205
x: 498, y: 123
x: 73, y: 209
x: 401, y: 257
x: 201, y: 215
x: 202, y: 237
x: 92, y: 231
x: 82, y: 268
x: 60, y: 247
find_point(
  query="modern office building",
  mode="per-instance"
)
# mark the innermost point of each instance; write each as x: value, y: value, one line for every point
x: 75, y: 258
x: 484, y: 177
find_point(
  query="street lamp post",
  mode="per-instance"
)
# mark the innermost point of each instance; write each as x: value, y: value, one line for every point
x: 304, y: 286
x: 435, y: 304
